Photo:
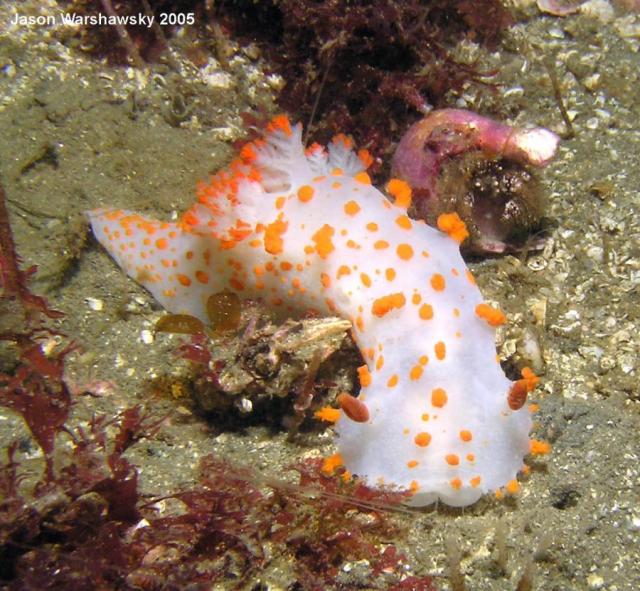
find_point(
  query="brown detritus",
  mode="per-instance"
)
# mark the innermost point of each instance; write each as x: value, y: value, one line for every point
x: 525, y: 582
x: 224, y: 311
x: 500, y: 543
x: 123, y: 34
x: 306, y: 391
x: 550, y: 65
x: 133, y: 44
x: 456, y: 577
x: 414, y: 584
x: 286, y: 368
x: 179, y: 324
x: 603, y: 189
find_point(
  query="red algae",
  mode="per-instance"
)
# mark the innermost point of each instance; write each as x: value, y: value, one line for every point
x: 366, y: 68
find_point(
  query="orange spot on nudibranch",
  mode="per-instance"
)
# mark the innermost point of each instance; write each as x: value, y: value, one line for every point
x: 470, y: 278
x: 452, y: 459
x: 438, y: 397
x: 466, y: 435
x: 422, y: 439
x: 305, y: 193
x: 273, y: 232
x: 404, y: 251
x: 364, y: 376
x: 343, y: 270
x: 322, y: 239
x: 404, y: 222
x: 426, y: 312
x: 202, y: 277
x: 351, y: 207
x: 416, y: 372
x: 440, y: 350
x: 236, y: 284
x: 385, y: 304
x: 362, y: 177
x: 248, y: 152
x: 437, y: 282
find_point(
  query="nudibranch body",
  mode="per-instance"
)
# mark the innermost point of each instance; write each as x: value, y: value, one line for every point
x: 306, y: 230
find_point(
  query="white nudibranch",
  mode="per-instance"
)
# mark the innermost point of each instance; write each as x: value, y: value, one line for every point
x: 306, y: 230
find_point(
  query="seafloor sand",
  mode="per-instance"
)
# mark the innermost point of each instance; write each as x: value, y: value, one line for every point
x: 77, y: 134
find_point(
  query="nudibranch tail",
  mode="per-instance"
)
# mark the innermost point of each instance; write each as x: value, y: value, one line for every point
x: 173, y: 264
x: 306, y: 230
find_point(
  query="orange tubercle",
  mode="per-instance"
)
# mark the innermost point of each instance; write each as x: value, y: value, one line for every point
x: 539, y: 448
x: 280, y: 123
x: 355, y: 409
x: 451, y: 224
x: 491, y: 315
x: 517, y: 395
x: 401, y: 191
x: 331, y: 463
x: 328, y: 414
x: 531, y: 378
x: 365, y: 158
x: 513, y: 487
x: 364, y: 376
x: 518, y: 392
